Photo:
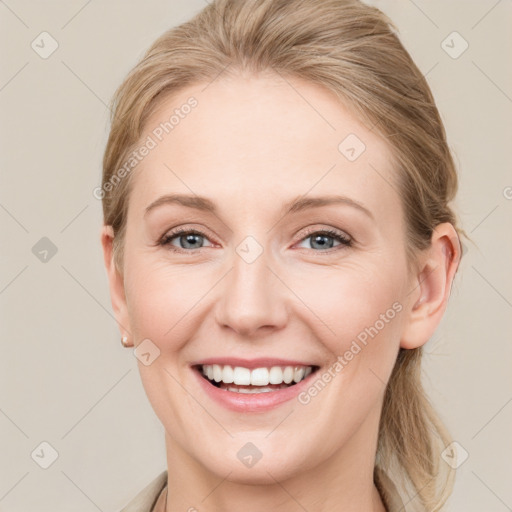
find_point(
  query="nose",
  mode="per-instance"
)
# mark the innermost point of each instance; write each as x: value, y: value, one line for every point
x: 253, y: 299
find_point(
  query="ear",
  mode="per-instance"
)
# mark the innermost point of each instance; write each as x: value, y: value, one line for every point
x: 116, y: 284
x: 431, y: 287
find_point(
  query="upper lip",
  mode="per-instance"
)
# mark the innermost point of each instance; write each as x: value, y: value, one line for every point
x: 260, y: 362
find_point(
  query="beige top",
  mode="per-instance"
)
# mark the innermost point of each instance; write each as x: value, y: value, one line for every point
x: 148, y: 498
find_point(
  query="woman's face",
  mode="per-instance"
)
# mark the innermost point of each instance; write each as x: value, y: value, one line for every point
x: 317, y: 289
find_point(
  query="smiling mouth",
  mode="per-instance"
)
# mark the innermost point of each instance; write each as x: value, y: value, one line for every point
x: 238, y: 379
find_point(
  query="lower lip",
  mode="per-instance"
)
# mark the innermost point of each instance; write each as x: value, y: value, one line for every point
x: 251, y: 402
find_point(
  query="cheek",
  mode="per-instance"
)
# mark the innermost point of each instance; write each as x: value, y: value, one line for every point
x: 362, y: 310
x: 359, y: 310
x: 162, y: 299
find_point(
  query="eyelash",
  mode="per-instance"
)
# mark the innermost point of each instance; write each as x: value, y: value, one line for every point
x: 165, y: 241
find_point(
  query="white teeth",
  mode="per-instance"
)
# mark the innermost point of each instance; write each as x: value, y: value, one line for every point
x: 259, y: 377
x: 288, y: 375
x: 228, y: 374
x: 242, y: 376
x: 298, y: 375
x: 217, y: 373
x: 275, y: 375
x: 262, y: 377
x: 245, y: 390
x: 254, y: 390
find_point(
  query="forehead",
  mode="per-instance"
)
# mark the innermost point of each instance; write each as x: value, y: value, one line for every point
x: 251, y: 139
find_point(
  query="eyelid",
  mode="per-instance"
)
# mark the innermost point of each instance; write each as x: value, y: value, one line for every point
x: 330, y: 230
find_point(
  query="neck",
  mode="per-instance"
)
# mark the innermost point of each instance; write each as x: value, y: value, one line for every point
x: 343, y: 482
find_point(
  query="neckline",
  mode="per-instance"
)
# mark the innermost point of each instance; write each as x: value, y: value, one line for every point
x: 160, y: 503
x: 385, y: 486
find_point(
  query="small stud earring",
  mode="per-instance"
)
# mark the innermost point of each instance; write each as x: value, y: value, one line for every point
x: 124, y: 341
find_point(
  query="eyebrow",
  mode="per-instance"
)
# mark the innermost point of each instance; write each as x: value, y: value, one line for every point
x: 303, y: 203
x: 196, y: 202
x: 296, y: 205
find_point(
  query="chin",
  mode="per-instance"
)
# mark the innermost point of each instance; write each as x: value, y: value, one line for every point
x: 258, y: 462
x: 262, y: 473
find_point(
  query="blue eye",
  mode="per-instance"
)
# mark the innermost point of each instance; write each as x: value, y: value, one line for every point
x: 186, y: 238
x: 191, y: 240
x: 324, y: 239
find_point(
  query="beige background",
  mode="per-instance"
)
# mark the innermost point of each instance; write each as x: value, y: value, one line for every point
x: 65, y: 378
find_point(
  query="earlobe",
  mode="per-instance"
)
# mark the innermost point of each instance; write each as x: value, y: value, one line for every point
x: 115, y: 281
x: 431, y: 287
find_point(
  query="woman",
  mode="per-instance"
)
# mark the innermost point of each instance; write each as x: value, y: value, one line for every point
x: 280, y: 244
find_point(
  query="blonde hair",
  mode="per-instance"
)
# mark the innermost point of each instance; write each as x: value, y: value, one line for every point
x: 352, y: 50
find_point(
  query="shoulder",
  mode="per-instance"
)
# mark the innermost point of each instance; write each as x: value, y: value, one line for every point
x: 145, y: 500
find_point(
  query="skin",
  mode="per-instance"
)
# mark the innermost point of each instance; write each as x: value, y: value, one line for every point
x: 252, y: 145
